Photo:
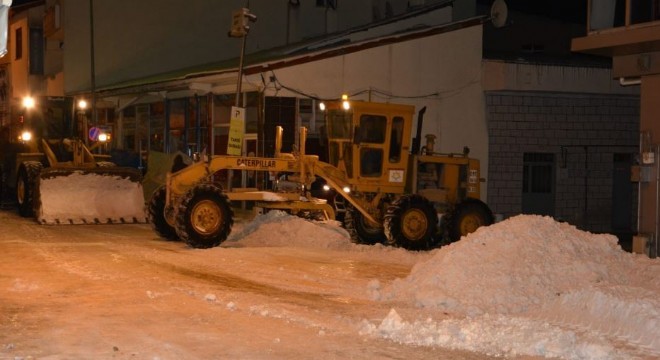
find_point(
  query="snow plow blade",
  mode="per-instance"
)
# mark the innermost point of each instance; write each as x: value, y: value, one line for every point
x: 89, y: 196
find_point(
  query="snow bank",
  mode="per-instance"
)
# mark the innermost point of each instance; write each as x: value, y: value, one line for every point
x: 516, y: 265
x: 531, y: 269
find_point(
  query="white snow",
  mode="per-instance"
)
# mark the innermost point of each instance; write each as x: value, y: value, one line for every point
x: 81, y: 198
x: 526, y: 286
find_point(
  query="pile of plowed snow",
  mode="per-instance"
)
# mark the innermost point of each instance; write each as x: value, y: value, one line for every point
x: 516, y: 264
x: 277, y: 228
x: 534, y: 266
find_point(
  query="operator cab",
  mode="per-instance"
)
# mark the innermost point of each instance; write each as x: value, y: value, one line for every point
x: 370, y: 143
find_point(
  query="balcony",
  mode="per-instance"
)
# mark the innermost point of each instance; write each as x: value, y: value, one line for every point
x: 620, y: 27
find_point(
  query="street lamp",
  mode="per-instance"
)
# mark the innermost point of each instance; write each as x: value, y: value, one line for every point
x: 28, y: 102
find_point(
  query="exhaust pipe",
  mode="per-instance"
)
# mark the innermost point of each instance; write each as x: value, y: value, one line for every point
x: 417, y: 140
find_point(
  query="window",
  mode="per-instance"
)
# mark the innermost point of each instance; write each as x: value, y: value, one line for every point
x: 537, y: 173
x: 19, y: 44
x: 395, y: 139
x: 373, y: 128
x: 371, y: 162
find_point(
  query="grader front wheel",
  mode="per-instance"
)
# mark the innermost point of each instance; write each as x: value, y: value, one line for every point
x: 411, y: 223
x: 360, y: 230
x: 204, y: 219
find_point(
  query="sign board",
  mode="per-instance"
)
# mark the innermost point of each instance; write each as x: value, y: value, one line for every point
x: 236, y: 131
x: 94, y: 133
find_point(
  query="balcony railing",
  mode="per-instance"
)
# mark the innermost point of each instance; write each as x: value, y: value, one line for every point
x: 610, y: 14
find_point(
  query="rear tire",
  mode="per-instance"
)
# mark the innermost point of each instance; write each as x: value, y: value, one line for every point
x: 360, y: 230
x: 204, y: 218
x: 26, y: 185
x: 156, y: 215
x: 467, y: 217
x: 411, y: 223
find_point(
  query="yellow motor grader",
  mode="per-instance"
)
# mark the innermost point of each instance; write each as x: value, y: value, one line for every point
x: 389, y: 190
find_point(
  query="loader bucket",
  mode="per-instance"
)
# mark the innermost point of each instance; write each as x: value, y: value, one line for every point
x: 104, y: 195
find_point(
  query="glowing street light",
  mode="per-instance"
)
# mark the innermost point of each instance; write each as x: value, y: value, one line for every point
x: 82, y: 104
x: 28, y: 102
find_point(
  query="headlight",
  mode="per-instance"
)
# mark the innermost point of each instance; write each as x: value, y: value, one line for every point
x: 326, y: 187
x: 26, y: 136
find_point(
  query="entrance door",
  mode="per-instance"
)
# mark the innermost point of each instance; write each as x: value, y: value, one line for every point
x: 538, y: 195
x: 622, y: 197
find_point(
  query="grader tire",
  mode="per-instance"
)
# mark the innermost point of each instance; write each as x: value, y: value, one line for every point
x: 467, y: 217
x: 26, y: 182
x: 204, y: 218
x: 411, y: 223
x: 360, y: 230
x: 156, y: 215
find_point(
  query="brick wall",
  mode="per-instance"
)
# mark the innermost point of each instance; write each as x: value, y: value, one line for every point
x: 583, y: 131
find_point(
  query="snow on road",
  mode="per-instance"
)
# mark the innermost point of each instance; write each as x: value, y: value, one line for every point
x: 527, y: 287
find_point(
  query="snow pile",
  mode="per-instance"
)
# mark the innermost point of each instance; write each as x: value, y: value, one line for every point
x: 519, y: 264
x: 277, y: 228
x: 526, y: 273
x: 81, y: 198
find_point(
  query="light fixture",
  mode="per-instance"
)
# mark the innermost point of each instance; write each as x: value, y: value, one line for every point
x: 28, y: 102
x: 346, y: 189
x: 103, y: 137
x: 26, y: 136
x: 344, y: 102
x: 82, y: 104
x: 322, y: 106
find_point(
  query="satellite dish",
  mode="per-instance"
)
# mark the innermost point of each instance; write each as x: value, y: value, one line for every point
x: 498, y: 13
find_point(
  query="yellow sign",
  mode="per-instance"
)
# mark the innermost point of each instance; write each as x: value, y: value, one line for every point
x: 236, y: 129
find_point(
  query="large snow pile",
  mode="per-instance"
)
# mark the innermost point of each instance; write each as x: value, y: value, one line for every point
x: 531, y: 271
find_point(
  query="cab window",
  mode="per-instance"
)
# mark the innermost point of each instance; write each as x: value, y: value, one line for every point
x: 372, y: 129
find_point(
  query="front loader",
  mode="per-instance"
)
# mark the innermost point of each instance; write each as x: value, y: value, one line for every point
x: 76, y: 186
x: 389, y: 191
x: 48, y: 172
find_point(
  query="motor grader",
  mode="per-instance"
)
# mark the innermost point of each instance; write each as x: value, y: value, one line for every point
x: 390, y: 190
